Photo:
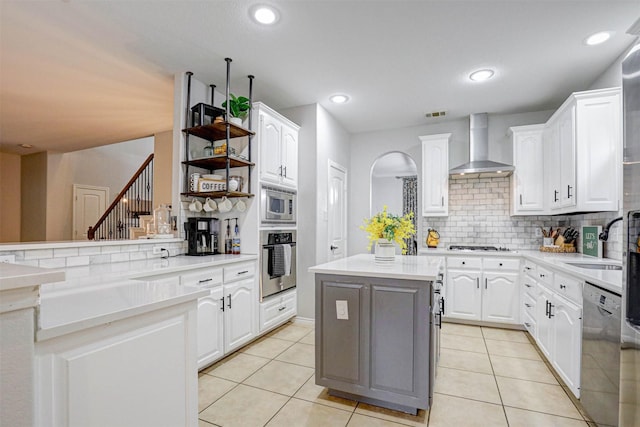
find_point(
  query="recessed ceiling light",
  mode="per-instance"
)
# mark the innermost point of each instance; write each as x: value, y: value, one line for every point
x: 481, y: 75
x: 339, y: 99
x: 598, y: 38
x: 26, y: 145
x: 265, y: 15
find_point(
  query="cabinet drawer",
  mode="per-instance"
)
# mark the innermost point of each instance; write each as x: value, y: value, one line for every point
x: 464, y: 262
x: 206, y: 278
x: 568, y: 287
x: 276, y: 310
x: 530, y: 324
x: 500, y: 264
x: 239, y: 271
x: 529, y: 305
x: 545, y: 276
x: 530, y: 268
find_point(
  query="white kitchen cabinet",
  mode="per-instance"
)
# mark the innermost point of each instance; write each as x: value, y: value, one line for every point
x: 485, y: 289
x: 210, y: 327
x: 277, y: 145
x: 501, y: 298
x: 544, y: 323
x: 582, y: 142
x: 567, y: 341
x: 435, y: 174
x: 239, y: 314
x: 463, y: 294
x: 277, y: 309
x: 527, y: 181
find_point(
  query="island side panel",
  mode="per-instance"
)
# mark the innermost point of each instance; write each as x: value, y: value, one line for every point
x: 341, y: 356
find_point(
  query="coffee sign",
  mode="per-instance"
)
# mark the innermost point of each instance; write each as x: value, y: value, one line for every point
x: 591, y: 245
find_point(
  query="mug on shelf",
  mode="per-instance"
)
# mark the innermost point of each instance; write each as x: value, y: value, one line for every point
x: 224, y: 205
x: 195, y: 205
x: 209, y: 205
x: 240, y: 206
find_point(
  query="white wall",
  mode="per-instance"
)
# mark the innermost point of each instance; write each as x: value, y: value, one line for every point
x: 321, y: 139
x: 9, y: 197
x: 388, y: 191
x: 612, y: 76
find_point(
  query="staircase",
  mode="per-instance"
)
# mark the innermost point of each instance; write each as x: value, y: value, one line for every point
x: 133, y: 203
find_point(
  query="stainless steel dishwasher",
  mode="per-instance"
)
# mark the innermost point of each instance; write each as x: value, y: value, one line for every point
x: 600, y: 372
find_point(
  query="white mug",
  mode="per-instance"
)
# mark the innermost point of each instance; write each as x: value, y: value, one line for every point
x: 240, y: 206
x: 224, y: 205
x: 195, y: 206
x: 209, y: 205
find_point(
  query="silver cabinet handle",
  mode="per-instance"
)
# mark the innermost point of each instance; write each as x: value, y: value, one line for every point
x: 222, y: 304
x: 285, y: 171
x: 555, y: 195
x: 550, y: 307
x: 229, y: 305
x: 478, y: 282
x: 485, y: 283
x: 569, y: 191
x: 521, y: 200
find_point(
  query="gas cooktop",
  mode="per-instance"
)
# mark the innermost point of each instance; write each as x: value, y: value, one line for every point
x: 477, y: 248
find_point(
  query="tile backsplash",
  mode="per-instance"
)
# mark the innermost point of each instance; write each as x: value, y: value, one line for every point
x: 479, y: 215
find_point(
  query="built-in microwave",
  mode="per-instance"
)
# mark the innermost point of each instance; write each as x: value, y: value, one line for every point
x: 278, y: 205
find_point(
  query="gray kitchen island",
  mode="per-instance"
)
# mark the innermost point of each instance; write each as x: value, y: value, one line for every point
x: 375, y: 323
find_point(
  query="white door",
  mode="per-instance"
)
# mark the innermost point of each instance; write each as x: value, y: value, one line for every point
x: 500, y: 302
x: 463, y: 294
x: 567, y: 342
x: 239, y: 314
x: 210, y: 327
x: 289, y: 156
x: 270, y: 154
x: 337, y: 211
x: 89, y: 203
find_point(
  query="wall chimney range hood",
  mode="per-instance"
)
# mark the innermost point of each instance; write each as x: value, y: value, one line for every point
x: 479, y: 165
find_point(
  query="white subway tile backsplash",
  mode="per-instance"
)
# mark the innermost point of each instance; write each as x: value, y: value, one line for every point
x: 479, y: 214
x: 91, y: 250
x: 120, y: 257
x: 38, y: 254
x: 65, y: 252
x: 52, y: 263
x: 77, y: 261
x: 110, y: 249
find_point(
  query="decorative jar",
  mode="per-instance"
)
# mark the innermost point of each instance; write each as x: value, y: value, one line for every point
x: 385, y: 251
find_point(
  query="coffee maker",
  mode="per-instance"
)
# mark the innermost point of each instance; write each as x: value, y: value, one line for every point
x: 202, y: 236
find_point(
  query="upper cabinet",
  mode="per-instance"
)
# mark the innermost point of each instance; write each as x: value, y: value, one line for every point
x: 278, y: 146
x: 583, y: 142
x: 575, y: 158
x: 435, y: 174
x: 527, y: 182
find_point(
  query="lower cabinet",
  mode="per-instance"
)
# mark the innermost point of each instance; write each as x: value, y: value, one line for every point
x: 277, y: 309
x: 239, y: 313
x: 483, y: 289
x: 210, y: 327
x: 373, y: 339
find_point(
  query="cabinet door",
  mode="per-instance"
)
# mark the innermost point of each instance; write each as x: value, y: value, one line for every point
x: 464, y: 298
x: 567, y: 142
x: 270, y: 155
x: 599, y: 138
x: 239, y: 315
x: 500, y: 302
x: 435, y: 175
x: 289, y: 156
x: 567, y: 341
x: 552, y: 166
x: 528, y: 178
x: 210, y: 327
x: 399, y: 332
x: 544, y: 324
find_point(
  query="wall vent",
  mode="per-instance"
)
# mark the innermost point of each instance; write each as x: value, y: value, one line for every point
x: 435, y: 114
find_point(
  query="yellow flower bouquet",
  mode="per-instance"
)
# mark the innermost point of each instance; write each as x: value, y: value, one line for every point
x: 384, y: 225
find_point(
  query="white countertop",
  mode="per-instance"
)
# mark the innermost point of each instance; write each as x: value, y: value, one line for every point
x: 608, y: 279
x: 14, y: 276
x: 102, y: 293
x: 66, y: 312
x: 364, y: 265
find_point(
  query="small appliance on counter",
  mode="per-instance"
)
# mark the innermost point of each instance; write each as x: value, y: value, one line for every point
x: 202, y: 236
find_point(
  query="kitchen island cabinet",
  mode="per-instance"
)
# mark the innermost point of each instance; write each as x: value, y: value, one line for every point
x: 379, y: 319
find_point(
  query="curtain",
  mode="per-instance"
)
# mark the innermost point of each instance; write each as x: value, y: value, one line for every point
x: 410, y: 204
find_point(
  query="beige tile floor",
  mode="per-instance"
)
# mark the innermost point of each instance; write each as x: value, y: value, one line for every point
x: 486, y: 377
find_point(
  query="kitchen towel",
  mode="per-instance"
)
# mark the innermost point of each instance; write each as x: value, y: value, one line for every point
x: 277, y: 261
x: 287, y: 259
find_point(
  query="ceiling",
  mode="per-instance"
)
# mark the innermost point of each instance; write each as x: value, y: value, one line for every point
x: 76, y: 74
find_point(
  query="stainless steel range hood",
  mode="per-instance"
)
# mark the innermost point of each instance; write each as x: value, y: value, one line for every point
x: 479, y: 164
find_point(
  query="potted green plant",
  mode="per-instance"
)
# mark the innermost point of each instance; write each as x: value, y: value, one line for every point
x: 238, y: 108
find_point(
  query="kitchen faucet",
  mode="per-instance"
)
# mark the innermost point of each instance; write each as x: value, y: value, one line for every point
x: 604, y: 236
